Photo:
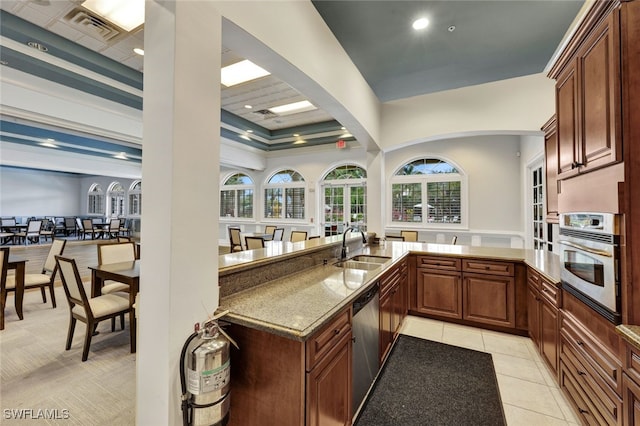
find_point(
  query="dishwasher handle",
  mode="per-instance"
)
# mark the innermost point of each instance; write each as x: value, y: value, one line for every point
x: 362, y: 301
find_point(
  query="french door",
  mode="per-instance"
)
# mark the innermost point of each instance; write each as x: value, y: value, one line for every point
x: 344, y: 205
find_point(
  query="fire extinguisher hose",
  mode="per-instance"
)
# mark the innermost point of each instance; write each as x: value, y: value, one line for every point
x: 183, y: 381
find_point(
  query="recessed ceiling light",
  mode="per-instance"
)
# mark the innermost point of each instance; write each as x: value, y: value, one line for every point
x: 121, y: 156
x: 248, y: 106
x: 245, y: 137
x: 48, y: 144
x: 249, y: 131
x: 139, y: 51
x: 37, y: 46
x: 420, y: 24
x: 241, y: 72
x: 346, y: 135
x: 343, y: 128
x: 293, y: 108
x: 127, y: 14
x: 299, y: 142
x: 296, y: 135
x: 451, y: 28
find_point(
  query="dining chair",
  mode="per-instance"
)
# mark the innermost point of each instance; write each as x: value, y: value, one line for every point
x: 278, y: 234
x: 88, y: 229
x: 116, y: 253
x: 79, y: 227
x: 44, y: 279
x: 235, y: 239
x: 314, y: 237
x: 114, y: 228
x: 32, y: 233
x: 125, y: 229
x: 90, y: 311
x: 393, y: 238
x: 270, y: 229
x: 47, y: 230
x: 298, y: 236
x: 4, y: 259
x: 254, y: 242
x: 410, y: 235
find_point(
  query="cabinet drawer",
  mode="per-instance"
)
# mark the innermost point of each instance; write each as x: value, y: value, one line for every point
x: 632, y: 362
x: 550, y: 292
x: 439, y: 263
x: 488, y: 267
x: 391, y: 279
x: 602, y: 362
x: 587, y: 412
x: 324, y: 340
x: 533, y: 278
x: 607, y: 403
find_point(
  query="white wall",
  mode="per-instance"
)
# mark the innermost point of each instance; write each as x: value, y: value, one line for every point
x: 38, y: 193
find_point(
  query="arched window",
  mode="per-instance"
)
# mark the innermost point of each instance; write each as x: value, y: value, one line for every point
x: 428, y: 191
x: 96, y: 200
x: 135, y: 198
x: 115, y: 200
x: 236, y: 197
x: 284, y: 195
x: 344, y: 189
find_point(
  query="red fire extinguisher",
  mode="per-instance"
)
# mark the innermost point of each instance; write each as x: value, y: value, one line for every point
x: 205, y: 375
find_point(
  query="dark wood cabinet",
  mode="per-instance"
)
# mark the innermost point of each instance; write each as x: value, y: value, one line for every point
x: 551, y: 168
x: 488, y: 299
x: 393, y: 306
x: 588, y: 98
x: 439, y: 287
x: 631, y: 401
x: 543, y: 303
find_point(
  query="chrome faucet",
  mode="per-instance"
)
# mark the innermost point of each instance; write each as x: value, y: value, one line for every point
x: 343, y: 254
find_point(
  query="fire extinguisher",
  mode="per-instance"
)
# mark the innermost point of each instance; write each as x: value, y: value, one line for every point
x: 205, y: 368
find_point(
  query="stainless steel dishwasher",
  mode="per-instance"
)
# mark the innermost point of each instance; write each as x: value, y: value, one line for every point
x: 366, y: 343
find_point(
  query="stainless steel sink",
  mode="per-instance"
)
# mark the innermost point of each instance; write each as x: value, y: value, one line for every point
x: 370, y: 259
x: 353, y: 264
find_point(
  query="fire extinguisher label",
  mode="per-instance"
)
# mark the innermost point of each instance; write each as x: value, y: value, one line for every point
x: 199, y: 382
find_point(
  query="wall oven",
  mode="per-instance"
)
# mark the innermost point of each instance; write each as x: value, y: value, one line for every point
x: 589, y: 257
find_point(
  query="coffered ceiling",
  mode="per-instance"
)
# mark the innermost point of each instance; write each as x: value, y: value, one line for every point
x: 492, y: 40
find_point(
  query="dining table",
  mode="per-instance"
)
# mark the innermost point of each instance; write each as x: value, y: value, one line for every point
x: 123, y: 272
x: 19, y: 264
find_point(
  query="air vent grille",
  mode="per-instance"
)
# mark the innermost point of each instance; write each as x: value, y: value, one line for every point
x: 590, y: 236
x: 265, y: 113
x: 91, y: 25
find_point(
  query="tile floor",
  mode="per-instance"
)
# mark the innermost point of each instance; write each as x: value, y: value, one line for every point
x: 530, y: 395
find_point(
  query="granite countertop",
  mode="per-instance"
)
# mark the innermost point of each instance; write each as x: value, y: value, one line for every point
x: 297, y: 305
x: 630, y: 333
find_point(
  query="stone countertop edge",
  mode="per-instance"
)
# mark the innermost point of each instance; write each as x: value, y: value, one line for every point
x: 546, y: 263
x: 630, y: 333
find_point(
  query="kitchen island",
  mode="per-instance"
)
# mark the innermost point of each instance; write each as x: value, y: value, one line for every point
x: 294, y: 365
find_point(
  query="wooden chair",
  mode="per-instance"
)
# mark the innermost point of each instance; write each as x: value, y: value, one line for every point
x: 410, y: 235
x: 298, y: 236
x: 44, y: 279
x: 254, y: 242
x: 32, y: 233
x: 90, y: 311
x: 235, y: 239
x: 47, y: 230
x: 114, y: 228
x: 270, y: 229
x: 314, y: 237
x: 69, y: 226
x: 4, y: 259
x: 116, y: 253
x: 393, y: 238
x: 125, y: 229
x: 88, y: 229
x: 278, y: 234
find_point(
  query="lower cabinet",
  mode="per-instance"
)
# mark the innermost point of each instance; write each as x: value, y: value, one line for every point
x: 631, y: 401
x: 488, y: 299
x: 543, y: 302
x: 393, y: 306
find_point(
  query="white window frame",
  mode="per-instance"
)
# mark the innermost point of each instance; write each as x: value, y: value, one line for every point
x: 423, y: 179
x: 120, y: 200
x: 235, y: 188
x: 347, y: 184
x: 284, y: 186
x: 135, y: 191
x: 95, y: 198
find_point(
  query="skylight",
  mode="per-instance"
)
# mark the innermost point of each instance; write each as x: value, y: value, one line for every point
x: 241, y: 72
x: 127, y: 14
x: 293, y: 108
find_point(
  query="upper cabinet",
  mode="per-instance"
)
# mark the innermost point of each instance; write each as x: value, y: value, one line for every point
x: 551, y: 159
x: 588, y: 95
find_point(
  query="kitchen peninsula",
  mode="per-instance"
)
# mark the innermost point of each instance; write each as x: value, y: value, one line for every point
x: 290, y: 309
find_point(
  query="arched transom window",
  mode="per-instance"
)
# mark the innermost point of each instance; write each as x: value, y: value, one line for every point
x: 96, y: 200
x: 236, y: 197
x: 135, y: 198
x: 284, y: 195
x: 428, y: 191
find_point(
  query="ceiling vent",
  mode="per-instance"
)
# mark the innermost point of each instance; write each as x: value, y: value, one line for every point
x: 265, y: 113
x: 90, y: 24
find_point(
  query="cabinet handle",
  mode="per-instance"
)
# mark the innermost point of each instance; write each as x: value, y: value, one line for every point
x: 336, y: 331
x: 583, y: 411
x: 487, y: 268
x: 544, y: 289
x: 582, y: 373
x: 353, y: 339
x: 580, y: 343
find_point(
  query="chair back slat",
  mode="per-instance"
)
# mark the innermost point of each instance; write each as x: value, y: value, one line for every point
x: 410, y: 235
x: 298, y: 236
x: 269, y: 229
x: 34, y: 226
x: 71, y: 280
x: 8, y: 222
x: 277, y: 234
x: 57, y: 247
x: 254, y: 242
x: 116, y: 252
x: 114, y: 225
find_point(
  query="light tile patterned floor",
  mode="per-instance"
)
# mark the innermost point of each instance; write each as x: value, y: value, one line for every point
x: 530, y: 396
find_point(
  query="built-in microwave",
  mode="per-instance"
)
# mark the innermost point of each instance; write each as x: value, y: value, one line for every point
x: 589, y: 257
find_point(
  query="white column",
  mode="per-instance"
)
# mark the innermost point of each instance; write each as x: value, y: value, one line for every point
x: 375, y: 197
x: 180, y: 174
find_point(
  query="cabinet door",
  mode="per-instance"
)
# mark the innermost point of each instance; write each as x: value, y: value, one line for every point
x: 533, y: 315
x: 549, y: 334
x: 567, y: 119
x: 398, y: 306
x: 599, y: 64
x: 631, y: 401
x: 551, y: 169
x: 386, y: 332
x: 439, y: 293
x: 489, y: 299
x: 329, y: 387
